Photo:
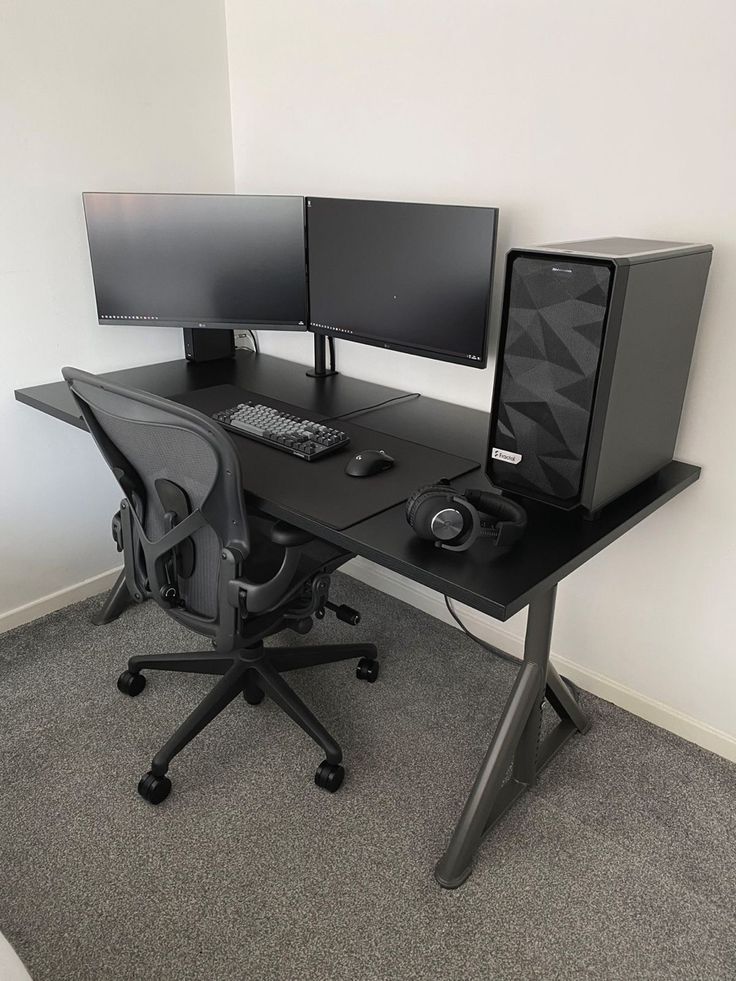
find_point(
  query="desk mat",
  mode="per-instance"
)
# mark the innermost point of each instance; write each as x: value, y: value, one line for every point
x: 322, y: 490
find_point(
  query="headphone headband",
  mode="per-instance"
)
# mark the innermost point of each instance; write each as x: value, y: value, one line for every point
x: 511, y: 517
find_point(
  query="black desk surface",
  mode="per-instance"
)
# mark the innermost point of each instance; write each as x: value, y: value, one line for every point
x: 496, y: 582
x: 501, y: 582
x: 322, y: 490
x: 328, y: 397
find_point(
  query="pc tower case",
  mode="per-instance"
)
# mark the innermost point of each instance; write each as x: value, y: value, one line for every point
x: 594, y: 353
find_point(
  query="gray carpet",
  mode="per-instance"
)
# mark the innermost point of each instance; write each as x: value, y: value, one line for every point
x: 621, y: 864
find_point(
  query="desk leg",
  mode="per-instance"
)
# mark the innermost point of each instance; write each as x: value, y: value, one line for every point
x: 515, y: 744
x: 118, y: 600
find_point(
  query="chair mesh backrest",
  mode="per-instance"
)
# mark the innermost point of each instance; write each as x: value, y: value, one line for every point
x: 161, y: 441
x: 163, y: 452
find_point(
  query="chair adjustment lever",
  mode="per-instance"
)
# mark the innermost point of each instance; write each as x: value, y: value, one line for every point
x: 345, y: 613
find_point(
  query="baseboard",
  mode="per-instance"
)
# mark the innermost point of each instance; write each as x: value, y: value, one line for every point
x: 58, y: 600
x: 660, y: 714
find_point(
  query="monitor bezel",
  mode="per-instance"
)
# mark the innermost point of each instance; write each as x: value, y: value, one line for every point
x: 433, y: 354
x: 194, y: 321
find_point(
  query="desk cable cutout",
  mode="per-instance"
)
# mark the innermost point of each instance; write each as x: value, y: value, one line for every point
x: 496, y: 651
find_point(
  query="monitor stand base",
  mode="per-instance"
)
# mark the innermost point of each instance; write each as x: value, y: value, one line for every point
x: 208, y: 344
x: 320, y: 369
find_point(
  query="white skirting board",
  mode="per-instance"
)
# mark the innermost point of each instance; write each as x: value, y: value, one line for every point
x: 56, y: 601
x: 431, y: 602
x: 494, y: 633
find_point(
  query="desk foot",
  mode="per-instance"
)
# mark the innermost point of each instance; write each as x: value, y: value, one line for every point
x: 516, y: 742
x: 118, y: 600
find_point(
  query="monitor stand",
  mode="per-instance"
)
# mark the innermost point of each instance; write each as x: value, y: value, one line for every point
x: 208, y: 344
x: 320, y: 369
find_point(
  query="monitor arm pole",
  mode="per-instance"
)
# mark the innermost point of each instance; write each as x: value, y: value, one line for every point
x: 320, y: 369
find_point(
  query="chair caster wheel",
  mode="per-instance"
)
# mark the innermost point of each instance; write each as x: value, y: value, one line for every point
x: 253, y: 694
x: 367, y: 669
x: 154, y: 789
x: 329, y: 776
x: 130, y: 683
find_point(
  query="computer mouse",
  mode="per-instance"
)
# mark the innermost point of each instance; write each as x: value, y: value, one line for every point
x: 368, y: 462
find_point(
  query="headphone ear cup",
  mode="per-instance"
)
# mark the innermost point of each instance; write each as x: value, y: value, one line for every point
x: 421, y: 495
x: 419, y: 508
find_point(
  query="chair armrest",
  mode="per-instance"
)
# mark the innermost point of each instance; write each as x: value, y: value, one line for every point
x: 261, y: 597
x: 288, y: 535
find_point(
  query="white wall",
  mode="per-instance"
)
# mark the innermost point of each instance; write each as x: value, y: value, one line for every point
x: 94, y: 95
x: 577, y: 119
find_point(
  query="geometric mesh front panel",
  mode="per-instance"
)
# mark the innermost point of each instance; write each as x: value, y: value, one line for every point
x: 551, y: 351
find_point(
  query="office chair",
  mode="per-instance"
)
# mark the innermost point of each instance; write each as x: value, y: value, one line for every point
x: 236, y: 578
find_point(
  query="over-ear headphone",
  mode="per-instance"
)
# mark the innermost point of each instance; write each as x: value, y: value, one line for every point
x: 439, y: 514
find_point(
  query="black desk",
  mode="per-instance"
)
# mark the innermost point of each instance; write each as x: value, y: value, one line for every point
x: 496, y: 582
x: 331, y: 396
x: 322, y: 492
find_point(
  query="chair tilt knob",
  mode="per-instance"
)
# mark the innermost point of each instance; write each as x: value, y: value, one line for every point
x: 169, y: 594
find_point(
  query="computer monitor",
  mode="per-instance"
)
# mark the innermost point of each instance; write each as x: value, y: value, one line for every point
x: 408, y: 277
x: 198, y: 260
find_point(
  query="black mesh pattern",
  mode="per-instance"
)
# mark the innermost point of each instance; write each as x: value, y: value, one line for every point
x: 165, y: 451
x: 552, y: 345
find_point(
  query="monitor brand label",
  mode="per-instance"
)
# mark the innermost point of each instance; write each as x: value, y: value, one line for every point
x: 505, y: 456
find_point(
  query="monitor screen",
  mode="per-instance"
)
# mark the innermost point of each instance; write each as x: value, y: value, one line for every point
x: 208, y: 260
x: 409, y: 277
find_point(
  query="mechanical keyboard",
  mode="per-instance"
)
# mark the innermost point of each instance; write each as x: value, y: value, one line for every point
x: 300, y: 437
